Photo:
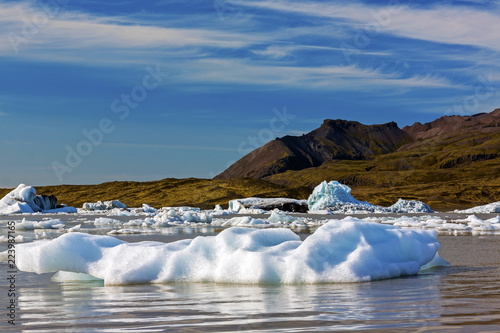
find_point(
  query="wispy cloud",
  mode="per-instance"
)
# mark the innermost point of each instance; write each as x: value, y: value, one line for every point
x: 306, y: 55
x: 440, y: 23
x: 77, y: 31
x: 350, y: 77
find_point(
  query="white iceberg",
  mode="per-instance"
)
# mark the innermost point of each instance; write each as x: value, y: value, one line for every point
x: 410, y: 206
x: 350, y: 250
x: 485, y: 209
x: 103, y: 205
x: 19, y: 200
x: 337, y: 198
x: 23, y: 199
x: 181, y: 215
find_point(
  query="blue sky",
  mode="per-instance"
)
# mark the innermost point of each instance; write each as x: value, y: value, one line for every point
x: 208, y: 81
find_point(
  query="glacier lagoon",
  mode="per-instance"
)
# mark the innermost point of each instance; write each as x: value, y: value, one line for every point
x: 463, y: 296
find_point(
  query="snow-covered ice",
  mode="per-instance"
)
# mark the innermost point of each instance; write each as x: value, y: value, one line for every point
x: 350, y: 250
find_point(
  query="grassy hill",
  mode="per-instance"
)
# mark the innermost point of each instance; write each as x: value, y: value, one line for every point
x: 446, y: 172
x: 203, y: 193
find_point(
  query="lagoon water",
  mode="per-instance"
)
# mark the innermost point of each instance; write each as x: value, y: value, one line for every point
x: 463, y: 297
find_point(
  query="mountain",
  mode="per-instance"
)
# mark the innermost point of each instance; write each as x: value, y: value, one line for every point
x: 452, y: 162
x: 333, y: 140
x: 451, y: 125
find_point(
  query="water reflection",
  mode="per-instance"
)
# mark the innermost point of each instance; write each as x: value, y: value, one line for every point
x: 465, y: 296
x: 90, y: 306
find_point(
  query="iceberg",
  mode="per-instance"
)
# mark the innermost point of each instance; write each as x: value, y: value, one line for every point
x: 23, y: 199
x: 337, y: 198
x: 181, y: 215
x: 485, y: 209
x: 410, y: 206
x: 267, y: 204
x: 19, y: 200
x: 349, y: 250
x: 103, y: 205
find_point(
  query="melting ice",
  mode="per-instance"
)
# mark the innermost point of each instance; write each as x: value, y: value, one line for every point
x: 350, y: 250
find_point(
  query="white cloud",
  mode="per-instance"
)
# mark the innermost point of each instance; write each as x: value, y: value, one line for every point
x: 228, y: 71
x: 444, y: 24
x: 188, y: 52
x: 70, y: 31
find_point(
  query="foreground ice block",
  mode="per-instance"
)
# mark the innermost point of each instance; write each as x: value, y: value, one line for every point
x: 349, y: 250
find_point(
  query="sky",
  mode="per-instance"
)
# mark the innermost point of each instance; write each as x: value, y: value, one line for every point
x: 94, y: 91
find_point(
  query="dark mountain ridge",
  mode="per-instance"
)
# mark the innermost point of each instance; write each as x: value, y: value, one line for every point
x: 334, y: 139
x: 465, y: 139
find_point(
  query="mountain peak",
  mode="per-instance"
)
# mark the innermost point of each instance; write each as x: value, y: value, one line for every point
x: 334, y: 139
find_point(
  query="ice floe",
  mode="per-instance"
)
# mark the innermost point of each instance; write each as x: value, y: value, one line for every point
x: 181, y: 215
x: 350, y: 250
x: 103, y: 205
x: 45, y: 224
x: 471, y: 225
x: 16, y: 239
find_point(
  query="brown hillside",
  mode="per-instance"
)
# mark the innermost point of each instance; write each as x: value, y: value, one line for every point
x: 454, y: 162
x: 334, y: 140
x: 203, y: 193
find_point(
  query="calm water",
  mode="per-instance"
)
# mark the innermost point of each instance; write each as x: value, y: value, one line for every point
x: 464, y: 297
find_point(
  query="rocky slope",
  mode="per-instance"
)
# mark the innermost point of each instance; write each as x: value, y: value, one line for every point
x: 451, y: 125
x: 334, y: 140
x: 451, y: 162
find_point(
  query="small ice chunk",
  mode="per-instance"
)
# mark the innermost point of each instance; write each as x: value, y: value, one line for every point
x: 410, y: 206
